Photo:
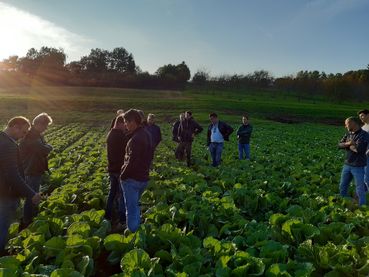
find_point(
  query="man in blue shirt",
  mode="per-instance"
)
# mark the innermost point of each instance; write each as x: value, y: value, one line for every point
x: 218, y: 132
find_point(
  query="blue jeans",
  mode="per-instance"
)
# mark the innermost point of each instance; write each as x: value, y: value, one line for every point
x: 132, y: 191
x: 216, y: 152
x: 366, y: 177
x: 243, y: 148
x: 356, y: 173
x: 30, y: 210
x: 115, y: 193
x: 8, y: 207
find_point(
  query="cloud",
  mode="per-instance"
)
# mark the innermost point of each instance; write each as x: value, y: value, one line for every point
x: 20, y: 31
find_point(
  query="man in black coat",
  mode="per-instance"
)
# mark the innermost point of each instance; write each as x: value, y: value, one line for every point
x: 12, y: 183
x: 218, y: 132
x: 34, y: 151
x: 116, y: 146
x: 187, y: 130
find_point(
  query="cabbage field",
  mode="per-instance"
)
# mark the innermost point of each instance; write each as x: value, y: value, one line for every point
x: 276, y: 215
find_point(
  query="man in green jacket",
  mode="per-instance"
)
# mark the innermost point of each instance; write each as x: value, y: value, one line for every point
x: 243, y: 136
x: 12, y: 183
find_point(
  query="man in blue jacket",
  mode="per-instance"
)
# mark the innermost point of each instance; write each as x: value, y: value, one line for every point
x: 355, y: 142
x: 218, y: 132
x: 12, y: 183
x: 154, y: 130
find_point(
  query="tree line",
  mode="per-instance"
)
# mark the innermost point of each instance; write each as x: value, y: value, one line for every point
x: 117, y: 68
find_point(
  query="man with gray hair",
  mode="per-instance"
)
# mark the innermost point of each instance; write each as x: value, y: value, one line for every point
x: 12, y: 183
x: 355, y: 142
x: 34, y: 151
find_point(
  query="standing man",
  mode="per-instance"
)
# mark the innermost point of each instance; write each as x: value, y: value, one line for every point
x: 364, y: 117
x: 218, y: 132
x: 355, y: 142
x: 116, y: 144
x: 135, y: 170
x: 12, y: 183
x: 187, y: 130
x: 243, y: 136
x: 154, y: 130
x: 33, y: 151
x: 175, y: 128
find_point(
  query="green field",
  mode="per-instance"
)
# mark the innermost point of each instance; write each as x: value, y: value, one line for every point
x: 81, y: 104
x: 277, y: 215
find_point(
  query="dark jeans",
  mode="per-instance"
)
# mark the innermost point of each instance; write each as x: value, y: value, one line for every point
x: 115, y: 195
x: 216, y: 150
x: 243, y: 148
x: 184, y: 148
x: 132, y: 191
x: 31, y: 210
x: 8, y: 207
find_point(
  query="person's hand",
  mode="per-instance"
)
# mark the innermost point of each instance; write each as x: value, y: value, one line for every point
x: 353, y: 148
x: 36, y: 198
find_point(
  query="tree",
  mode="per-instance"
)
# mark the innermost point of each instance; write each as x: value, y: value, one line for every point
x: 96, y: 62
x: 200, y: 77
x: 121, y: 61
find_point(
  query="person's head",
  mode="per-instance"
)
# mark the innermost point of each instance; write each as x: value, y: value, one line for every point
x: 181, y: 116
x: 132, y: 120
x: 119, y: 123
x: 213, y: 118
x: 245, y: 119
x: 352, y: 124
x: 364, y: 115
x: 120, y: 112
x: 151, y: 119
x: 17, y: 127
x: 188, y: 114
x: 41, y: 122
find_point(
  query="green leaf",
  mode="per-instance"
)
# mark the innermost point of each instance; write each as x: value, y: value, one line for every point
x: 80, y: 228
x: 137, y: 260
x: 53, y: 246
x: 213, y: 245
x: 65, y: 272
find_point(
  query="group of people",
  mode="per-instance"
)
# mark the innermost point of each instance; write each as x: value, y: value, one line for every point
x: 21, y: 169
x: 131, y: 144
x: 356, y: 166
x: 186, y: 128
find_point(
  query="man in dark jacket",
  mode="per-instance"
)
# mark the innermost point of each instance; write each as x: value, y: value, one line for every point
x: 34, y: 151
x: 218, y: 132
x: 243, y: 136
x: 135, y: 170
x: 12, y: 183
x: 116, y: 144
x: 355, y: 142
x: 187, y: 130
x: 154, y: 130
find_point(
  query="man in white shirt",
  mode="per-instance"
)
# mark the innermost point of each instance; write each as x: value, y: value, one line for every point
x: 364, y: 117
x: 218, y: 132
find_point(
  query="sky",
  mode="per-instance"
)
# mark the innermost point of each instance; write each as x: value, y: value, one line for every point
x: 218, y: 36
